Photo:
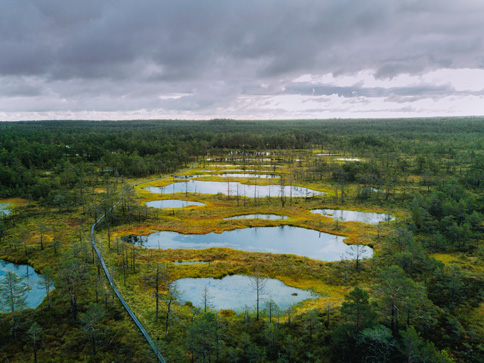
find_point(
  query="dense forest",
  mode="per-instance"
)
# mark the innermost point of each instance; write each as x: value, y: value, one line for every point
x: 420, y: 298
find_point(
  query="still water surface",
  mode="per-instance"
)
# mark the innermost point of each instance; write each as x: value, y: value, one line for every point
x: 258, y: 216
x: 281, y: 239
x: 172, y: 203
x: 238, y: 175
x: 35, y: 296
x: 354, y: 216
x: 4, y: 209
x: 349, y: 159
x: 238, y: 293
x: 234, y: 188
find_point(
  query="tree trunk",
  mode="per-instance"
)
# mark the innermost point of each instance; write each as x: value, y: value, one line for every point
x: 93, y: 341
x: 35, y: 352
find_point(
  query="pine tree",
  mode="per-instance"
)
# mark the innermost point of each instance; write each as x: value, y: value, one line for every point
x: 13, y: 294
x: 357, y: 309
x: 34, y: 332
x: 92, y: 323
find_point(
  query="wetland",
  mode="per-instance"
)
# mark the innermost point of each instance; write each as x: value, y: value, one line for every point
x: 281, y: 240
x: 237, y: 292
x: 234, y: 188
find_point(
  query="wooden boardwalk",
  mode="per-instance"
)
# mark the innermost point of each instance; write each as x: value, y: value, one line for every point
x: 140, y: 326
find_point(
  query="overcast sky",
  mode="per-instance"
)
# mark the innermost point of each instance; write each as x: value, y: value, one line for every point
x: 242, y: 59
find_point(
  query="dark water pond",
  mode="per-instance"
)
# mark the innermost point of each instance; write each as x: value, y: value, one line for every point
x: 247, y: 190
x: 281, y: 239
x: 238, y: 293
x: 172, y: 203
x: 258, y: 216
x: 354, y: 216
x: 35, y: 296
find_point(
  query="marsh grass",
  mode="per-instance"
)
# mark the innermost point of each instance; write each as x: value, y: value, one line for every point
x: 330, y: 280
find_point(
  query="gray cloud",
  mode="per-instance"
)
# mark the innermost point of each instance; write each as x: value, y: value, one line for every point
x: 421, y: 91
x: 129, y: 53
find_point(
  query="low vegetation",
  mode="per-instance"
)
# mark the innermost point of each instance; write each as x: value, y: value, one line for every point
x: 420, y: 297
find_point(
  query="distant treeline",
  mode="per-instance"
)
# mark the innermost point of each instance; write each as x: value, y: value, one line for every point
x: 140, y: 148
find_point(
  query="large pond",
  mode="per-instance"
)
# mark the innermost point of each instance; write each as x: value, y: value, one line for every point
x: 238, y: 293
x: 207, y: 172
x: 258, y: 216
x: 33, y: 297
x: 354, y: 216
x: 234, y: 188
x: 4, y: 209
x: 172, y: 203
x: 280, y: 239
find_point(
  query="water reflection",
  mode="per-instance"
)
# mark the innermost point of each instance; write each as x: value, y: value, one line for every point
x: 4, y: 209
x: 354, y: 216
x: 258, y: 216
x: 281, y: 239
x: 172, y: 203
x: 238, y: 175
x: 234, y: 188
x: 237, y: 293
x: 348, y: 159
x: 30, y: 278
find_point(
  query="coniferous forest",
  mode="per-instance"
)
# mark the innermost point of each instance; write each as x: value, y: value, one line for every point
x: 409, y: 288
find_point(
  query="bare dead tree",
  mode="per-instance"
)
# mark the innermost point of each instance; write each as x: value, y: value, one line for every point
x: 258, y: 283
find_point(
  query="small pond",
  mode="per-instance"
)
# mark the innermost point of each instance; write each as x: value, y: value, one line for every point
x: 281, y: 239
x: 182, y: 176
x: 348, y: 159
x: 267, y: 166
x: 354, y: 216
x: 239, y: 175
x: 172, y: 203
x: 208, y: 171
x: 240, y: 160
x: 247, y: 190
x: 238, y: 293
x: 224, y: 166
x: 258, y: 216
x: 4, y: 209
x: 35, y: 296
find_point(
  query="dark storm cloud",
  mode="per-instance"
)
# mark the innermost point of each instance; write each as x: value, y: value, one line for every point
x: 188, y: 38
x: 82, y: 51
